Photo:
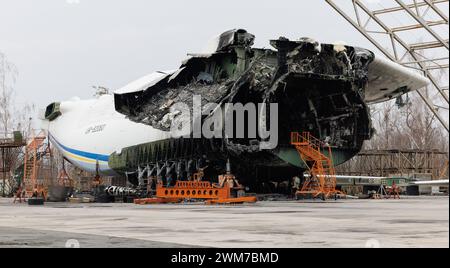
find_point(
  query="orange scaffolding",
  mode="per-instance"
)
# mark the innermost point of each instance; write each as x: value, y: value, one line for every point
x: 322, y: 175
x: 35, y: 151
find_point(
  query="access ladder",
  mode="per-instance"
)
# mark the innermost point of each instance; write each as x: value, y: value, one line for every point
x: 34, y: 152
x: 321, y: 181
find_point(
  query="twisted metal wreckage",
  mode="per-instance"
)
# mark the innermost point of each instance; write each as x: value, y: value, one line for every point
x: 324, y: 89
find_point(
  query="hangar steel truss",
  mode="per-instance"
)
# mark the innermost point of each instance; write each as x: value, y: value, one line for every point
x: 413, y: 33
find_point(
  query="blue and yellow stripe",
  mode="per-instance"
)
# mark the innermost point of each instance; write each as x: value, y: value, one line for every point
x: 81, y: 156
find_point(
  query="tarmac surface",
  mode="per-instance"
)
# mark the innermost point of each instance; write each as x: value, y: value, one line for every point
x: 409, y: 222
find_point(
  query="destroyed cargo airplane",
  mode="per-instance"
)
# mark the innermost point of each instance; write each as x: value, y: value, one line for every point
x: 324, y: 89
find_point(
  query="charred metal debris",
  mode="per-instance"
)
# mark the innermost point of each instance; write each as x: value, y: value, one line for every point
x: 319, y: 88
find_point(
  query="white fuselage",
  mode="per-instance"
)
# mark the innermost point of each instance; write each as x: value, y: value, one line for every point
x: 89, y: 131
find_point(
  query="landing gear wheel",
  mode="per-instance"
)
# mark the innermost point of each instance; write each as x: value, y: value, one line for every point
x: 36, y: 201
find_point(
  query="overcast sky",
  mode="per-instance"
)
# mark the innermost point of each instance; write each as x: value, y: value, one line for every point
x: 63, y: 47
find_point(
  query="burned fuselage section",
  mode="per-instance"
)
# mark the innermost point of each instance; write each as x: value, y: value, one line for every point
x: 316, y: 87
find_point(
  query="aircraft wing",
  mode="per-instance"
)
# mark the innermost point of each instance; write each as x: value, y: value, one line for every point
x: 388, y: 80
x: 372, y: 180
x: 143, y: 83
x: 432, y: 183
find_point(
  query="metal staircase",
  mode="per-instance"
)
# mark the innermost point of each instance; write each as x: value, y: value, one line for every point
x: 34, y: 152
x: 321, y: 181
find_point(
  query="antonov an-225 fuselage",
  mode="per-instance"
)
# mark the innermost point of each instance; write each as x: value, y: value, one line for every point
x: 324, y: 89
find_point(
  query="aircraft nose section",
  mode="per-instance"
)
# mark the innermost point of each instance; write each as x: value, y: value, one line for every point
x: 53, y: 111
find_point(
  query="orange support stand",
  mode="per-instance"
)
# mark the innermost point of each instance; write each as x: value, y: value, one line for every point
x: 322, y: 175
x: 393, y: 191
x: 236, y: 200
x: 193, y: 189
x: 155, y: 200
x: 213, y: 194
x: 64, y: 179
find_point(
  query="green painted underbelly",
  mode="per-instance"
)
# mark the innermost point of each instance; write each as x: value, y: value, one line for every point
x: 291, y: 156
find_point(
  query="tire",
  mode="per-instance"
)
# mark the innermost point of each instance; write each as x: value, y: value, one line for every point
x: 128, y: 199
x: 36, y: 201
x: 101, y: 196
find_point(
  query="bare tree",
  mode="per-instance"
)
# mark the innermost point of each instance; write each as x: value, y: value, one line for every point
x: 12, y: 117
x: 8, y: 74
x: 411, y: 126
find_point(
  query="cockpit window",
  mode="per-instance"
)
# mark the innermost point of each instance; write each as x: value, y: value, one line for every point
x: 53, y: 111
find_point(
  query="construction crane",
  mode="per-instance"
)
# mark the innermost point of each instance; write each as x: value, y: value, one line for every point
x: 321, y: 181
x: 413, y: 33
